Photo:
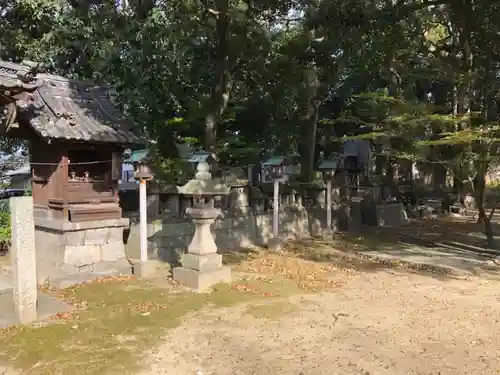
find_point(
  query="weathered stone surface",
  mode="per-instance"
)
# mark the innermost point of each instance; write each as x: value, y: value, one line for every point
x: 203, y: 240
x: 75, y: 238
x: 97, y: 236
x: 202, y: 263
x: 50, y: 247
x: 24, y: 259
x: 145, y: 269
x: 112, y: 251
x: 50, y: 270
x: 275, y: 244
x: 68, y: 226
x: 167, y: 236
x: 239, y: 198
x: 82, y: 255
x: 87, y: 268
x: 115, y: 235
x: 6, y: 285
x: 47, y: 306
x: 117, y: 268
x: 201, y: 281
x: 66, y: 248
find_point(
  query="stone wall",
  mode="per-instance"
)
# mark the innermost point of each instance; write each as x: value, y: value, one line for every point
x: 168, y: 238
x: 68, y: 249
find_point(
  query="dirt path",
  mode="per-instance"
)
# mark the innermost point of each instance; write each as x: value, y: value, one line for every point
x: 379, y: 323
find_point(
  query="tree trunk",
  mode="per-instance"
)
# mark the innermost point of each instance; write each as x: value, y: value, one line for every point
x: 310, y: 111
x: 310, y: 123
x: 479, y: 188
x: 488, y: 228
x: 223, y: 79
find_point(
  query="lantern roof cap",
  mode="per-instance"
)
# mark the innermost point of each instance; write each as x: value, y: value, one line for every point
x: 137, y: 156
x: 203, y: 184
x: 276, y: 160
x: 204, y: 188
x: 201, y: 156
x: 330, y: 164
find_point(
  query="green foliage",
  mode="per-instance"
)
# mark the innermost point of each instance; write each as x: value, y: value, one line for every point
x: 172, y: 171
x: 5, y: 230
x: 297, y: 75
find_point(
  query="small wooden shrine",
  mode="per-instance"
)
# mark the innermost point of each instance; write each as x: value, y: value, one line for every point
x: 76, y: 138
x: 16, y: 81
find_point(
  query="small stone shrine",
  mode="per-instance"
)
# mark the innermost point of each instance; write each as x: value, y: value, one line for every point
x: 202, y: 265
x: 76, y: 139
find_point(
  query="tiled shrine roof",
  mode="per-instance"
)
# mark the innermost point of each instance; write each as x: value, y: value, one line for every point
x: 64, y: 109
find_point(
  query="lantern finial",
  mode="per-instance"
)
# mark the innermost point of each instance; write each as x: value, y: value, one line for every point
x: 203, y: 171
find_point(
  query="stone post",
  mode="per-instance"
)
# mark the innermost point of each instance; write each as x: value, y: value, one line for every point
x: 274, y: 243
x: 24, y: 259
x: 143, y: 210
x: 239, y: 199
x: 329, y: 229
x: 144, y: 268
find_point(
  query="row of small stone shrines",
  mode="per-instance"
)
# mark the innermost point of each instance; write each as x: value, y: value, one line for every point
x: 241, y: 199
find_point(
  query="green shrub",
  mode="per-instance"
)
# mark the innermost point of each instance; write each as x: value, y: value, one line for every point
x: 5, y: 233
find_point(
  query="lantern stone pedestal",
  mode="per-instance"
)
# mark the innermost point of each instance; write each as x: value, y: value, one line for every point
x: 328, y: 234
x: 145, y: 269
x: 274, y: 244
x: 201, y: 265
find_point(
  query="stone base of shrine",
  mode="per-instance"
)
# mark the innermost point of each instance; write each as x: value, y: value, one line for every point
x: 70, y: 253
x: 201, y: 281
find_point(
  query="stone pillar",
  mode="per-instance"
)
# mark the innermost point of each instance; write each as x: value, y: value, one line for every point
x: 202, y: 266
x: 24, y: 259
x: 144, y: 268
x: 320, y: 198
x: 298, y: 200
x: 329, y: 229
x: 239, y: 199
x: 354, y: 221
x: 274, y: 243
x: 143, y: 207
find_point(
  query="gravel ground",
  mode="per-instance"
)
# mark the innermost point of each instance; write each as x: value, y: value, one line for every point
x: 384, y: 323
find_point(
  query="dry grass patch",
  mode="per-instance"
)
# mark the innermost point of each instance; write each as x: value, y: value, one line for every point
x: 309, y: 276
x: 115, y: 321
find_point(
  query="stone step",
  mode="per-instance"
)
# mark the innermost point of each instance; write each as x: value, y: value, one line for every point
x: 47, y: 307
x: 124, y: 268
x: 6, y: 284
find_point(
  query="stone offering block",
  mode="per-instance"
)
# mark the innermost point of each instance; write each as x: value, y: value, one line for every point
x: 202, y: 281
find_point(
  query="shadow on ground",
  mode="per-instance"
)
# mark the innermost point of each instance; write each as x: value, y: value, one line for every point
x: 440, y: 248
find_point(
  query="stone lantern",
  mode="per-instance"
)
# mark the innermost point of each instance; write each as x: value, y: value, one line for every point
x: 201, y: 156
x: 142, y: 174
x: 328, y: 168
x: 275, y: 167
x: 201, y: 265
